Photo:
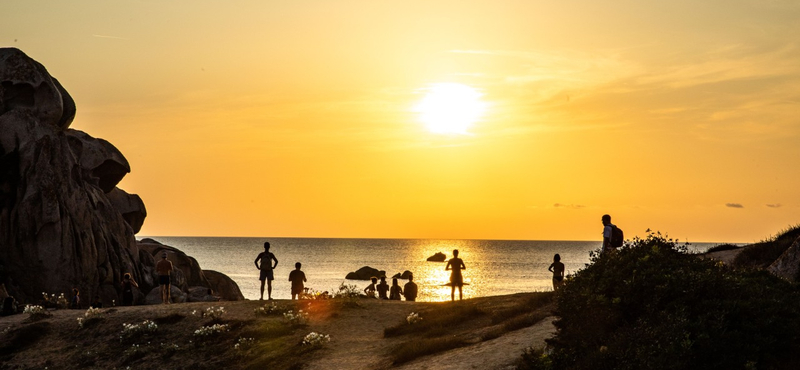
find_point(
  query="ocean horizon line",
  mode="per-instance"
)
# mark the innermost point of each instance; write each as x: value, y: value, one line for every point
x: 598, y: 240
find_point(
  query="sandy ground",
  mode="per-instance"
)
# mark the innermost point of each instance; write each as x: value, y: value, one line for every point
x: 726, y: 257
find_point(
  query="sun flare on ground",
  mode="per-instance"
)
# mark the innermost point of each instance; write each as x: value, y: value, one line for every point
x: 450, y: 108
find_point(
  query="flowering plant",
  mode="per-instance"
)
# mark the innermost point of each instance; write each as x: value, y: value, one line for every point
x: 314, y: 339
x: 267, y: 309
x: 413, y: 318
x: 244, y: 343
x: 206, y: 331
x: 51, y: 300
x: 215, y: 313
x: 134, y: 330
x: 35, y: 311
x: 299, y: 318
x: 90, y: 315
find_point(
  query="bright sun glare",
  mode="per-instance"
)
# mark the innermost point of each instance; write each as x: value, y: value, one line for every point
x: 450, y: 108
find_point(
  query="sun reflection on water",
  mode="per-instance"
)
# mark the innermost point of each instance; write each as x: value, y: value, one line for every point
x: 432, y: 276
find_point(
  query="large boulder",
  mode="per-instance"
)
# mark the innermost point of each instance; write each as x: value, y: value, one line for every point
x: 223, y: 286
x: 63, y: 222
x: 100, y: 161
x: 365, y: 273
x: 175, y: 295
x: 27, y: 87
x: 59, y: 228
x: 187, y: 271
x: 787, y: 265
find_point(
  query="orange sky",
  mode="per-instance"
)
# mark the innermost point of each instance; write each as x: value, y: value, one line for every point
x: 296, y: 118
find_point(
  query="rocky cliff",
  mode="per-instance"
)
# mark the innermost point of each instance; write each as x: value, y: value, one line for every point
x: 63, y: 221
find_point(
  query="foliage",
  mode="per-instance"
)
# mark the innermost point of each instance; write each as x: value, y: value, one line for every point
x: 296, y: 319
x: 413, y: 318
x: 53, y: 301
x: 36, y: 311
x: 651, y: 305
x: 762, y: 254
x: 311, y: 293
x: 314, y: 339
x: 214, y: 313
x: 347, y: 291
x: 134, y: 331
x: 207, y: 331
x: 723, y: 247
x: 267, y: 309
x: 90, y: 317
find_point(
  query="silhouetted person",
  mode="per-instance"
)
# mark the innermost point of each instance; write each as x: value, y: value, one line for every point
x: 370, y: 289
x: 75, y: 302
x: 557, y: 268
x: 456, y: 280
x: 410, y: 289
x: 612, y: 236
x: 297, y: 278
x: 383, y: 289
x: 266, y: 268
x: 396, y: 292
x: 127, y: 289
x: 96, y: 303
x: 164, y: 270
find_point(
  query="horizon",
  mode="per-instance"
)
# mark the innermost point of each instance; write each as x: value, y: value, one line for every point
x: 486, y: 121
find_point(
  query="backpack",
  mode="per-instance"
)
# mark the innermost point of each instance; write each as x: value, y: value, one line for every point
x: 617, y: 237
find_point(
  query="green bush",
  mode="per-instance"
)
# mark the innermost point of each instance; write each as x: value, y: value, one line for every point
x: 764, y: 253
x: 653, y: 306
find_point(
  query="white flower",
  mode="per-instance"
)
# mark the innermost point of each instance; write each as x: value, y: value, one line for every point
x: 315, y: 339
x: 413, y: 318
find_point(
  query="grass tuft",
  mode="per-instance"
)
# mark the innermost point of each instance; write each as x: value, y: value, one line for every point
x: 437, y: 320
x: 415, y: 349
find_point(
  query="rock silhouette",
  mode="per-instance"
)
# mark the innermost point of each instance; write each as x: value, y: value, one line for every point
x: 63, y: 222
x: 437, y: 257
x: 365, y: 273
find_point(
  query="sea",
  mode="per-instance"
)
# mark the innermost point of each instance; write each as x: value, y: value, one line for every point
x: 494, y: 267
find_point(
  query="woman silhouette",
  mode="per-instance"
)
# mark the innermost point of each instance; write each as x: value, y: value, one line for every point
x: 456, y: 280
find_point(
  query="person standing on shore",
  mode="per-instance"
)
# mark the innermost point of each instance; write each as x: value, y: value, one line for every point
x: 297, y: 278
x: 266, y: 268
x: 383, y: 288
x: 456, y: 280
x: 396, y: 292
x: 164, y: 270
x: 557, y: 268
x: 612, y: 236
x: 410, y: 289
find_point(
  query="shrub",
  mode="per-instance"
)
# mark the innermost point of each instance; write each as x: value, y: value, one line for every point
x: 267, y: 309
x: 134, y: 331
x: 762, y: 254
x: 207, y: 331
x: 653, y: 306
x: 723, y: 247
x: 296, y: 319
x: 314, y: 339
x: 36, y: 312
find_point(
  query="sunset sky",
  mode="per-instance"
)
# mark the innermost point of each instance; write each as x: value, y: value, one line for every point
x: 306, y: 118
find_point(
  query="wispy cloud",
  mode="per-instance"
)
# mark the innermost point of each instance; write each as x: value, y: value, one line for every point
x: 109, y: 37
x: 775, y: 205
x: 571, y: 206
x: 734, y: 205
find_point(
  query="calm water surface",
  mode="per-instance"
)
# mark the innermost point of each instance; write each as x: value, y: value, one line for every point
x: 494, y: 267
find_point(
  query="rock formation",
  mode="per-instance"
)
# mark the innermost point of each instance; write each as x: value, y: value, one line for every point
x: 787, y: 265
x: 365, y: 273
x: 437, y: 257
x: 63, y: 221
x: 405, y: 275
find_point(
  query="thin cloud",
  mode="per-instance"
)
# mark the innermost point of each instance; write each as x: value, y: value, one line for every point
x: 734, y: 205
x: 109, y: 37
x: 776, y: 205
x: 571, y: 206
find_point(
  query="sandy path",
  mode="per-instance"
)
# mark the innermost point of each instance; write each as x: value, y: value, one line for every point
x: 357, y: 342
x: 498, y: 353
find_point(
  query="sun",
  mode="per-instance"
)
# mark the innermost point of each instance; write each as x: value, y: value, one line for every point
x: 450, y: 108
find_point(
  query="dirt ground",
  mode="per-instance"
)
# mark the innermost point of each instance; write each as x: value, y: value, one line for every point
x: 356, y: 330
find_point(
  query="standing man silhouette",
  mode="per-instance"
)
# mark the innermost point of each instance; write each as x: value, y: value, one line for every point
x: 456, y: 280
x: 266, y: 268
x: 610, y: 241
x: 164, y: 270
